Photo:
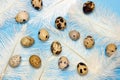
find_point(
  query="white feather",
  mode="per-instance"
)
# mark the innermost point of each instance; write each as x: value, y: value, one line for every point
x: 11, y: 71
x: 101, y: 21
x: 25, y: 71
x: 9, y: 9
x: 100, y: 66
x: 59, y: 8
x: 8, y: 47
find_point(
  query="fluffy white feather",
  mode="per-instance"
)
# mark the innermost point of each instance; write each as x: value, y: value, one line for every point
x: 101, y: 21
x: 11, y: 71
x: 9, y: 9
x: 99, y: 65
x: 8, y: 46
x: 59, y: 8
x: 25, y: 70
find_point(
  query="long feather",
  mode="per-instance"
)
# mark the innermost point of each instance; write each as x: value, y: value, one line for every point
x: 100, y: 66
x: 60, y: 8
x: 101, y: 21
x: 19, y: 73
x: 8, y: 47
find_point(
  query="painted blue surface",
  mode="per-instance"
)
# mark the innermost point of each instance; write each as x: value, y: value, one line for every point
x: 112, y: 5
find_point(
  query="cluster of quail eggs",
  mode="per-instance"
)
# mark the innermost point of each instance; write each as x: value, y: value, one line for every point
x: 56, y: 47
